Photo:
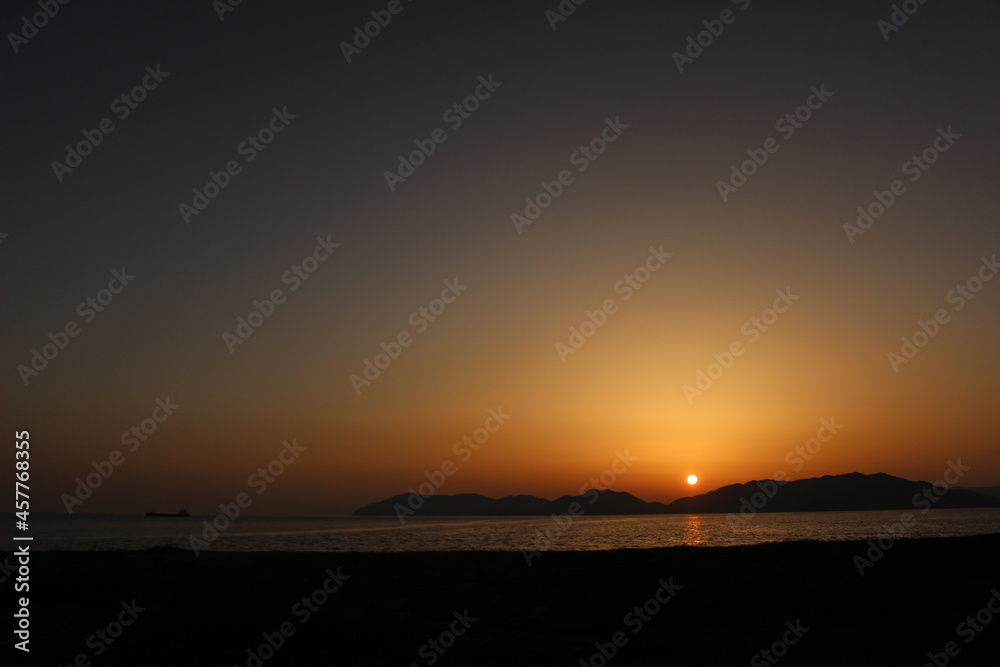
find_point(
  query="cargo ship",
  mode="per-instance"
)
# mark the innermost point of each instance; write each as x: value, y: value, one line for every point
x: 158, y: 514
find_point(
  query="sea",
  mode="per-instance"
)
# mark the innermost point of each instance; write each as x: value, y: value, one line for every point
x: 381, y: 534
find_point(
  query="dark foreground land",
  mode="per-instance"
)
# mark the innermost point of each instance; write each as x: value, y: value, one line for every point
x: 734, y: 603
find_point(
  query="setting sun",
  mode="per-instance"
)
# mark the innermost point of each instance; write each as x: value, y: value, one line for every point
x: 692, y: 479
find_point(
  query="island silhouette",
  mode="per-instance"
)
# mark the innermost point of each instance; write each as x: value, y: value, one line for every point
x: 830, y: 493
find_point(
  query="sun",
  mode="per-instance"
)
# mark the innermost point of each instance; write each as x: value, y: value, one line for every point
x: 692, y: 479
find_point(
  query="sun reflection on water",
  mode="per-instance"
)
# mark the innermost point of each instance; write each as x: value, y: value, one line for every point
x: 694, y: 531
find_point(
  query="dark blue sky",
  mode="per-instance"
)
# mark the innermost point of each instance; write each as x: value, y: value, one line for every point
x: 657, y: 183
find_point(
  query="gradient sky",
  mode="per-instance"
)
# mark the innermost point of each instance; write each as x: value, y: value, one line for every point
x: 495, y: 346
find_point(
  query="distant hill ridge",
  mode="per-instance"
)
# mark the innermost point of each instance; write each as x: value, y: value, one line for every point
x: 831, y: 493
x: 991, y: 491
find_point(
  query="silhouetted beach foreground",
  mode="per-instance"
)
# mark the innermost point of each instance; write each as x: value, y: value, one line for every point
x: 802, y: 602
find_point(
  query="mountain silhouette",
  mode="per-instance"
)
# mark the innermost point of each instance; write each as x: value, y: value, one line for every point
x: 850, y: 492
x: 472, y: 504
x: 991, y: 491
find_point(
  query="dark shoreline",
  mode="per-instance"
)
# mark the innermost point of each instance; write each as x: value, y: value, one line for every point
x: 733, y: 602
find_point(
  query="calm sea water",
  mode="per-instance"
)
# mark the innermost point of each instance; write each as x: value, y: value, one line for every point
x: 87, y: 533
